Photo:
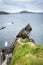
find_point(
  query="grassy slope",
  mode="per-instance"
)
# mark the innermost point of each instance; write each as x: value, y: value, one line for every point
x: 26, y: 54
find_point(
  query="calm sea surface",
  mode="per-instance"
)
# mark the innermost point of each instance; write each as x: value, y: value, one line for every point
x: 8, y: 34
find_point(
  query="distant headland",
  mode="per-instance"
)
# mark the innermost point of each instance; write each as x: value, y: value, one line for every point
x: 3, y: 12
x: 20, y: 12
x: 24, y: 11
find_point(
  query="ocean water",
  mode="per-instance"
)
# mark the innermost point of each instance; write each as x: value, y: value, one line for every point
x: 8, y: 34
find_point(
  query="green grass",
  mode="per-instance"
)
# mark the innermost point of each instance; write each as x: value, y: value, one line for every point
x: 27, y: 55
x: 26, y: 40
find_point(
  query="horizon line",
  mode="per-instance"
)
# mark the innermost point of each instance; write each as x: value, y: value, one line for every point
x: 22, y: 10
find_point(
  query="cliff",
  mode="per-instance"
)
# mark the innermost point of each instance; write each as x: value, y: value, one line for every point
x: 26, y: 51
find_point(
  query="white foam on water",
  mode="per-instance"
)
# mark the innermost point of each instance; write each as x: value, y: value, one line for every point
x: 6, y: 43
x: 9, y: 24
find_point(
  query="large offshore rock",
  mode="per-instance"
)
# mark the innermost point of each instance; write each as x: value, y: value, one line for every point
x: 24, y: 32
x: 28, y: 28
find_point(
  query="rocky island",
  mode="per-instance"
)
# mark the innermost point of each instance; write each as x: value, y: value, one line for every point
x: 2, y: 28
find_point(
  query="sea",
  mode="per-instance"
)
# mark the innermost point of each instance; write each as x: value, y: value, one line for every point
x: 13, y: 23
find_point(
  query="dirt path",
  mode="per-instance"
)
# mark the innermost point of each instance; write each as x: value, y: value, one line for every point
x: 20, y: 41
x: 31, y: 43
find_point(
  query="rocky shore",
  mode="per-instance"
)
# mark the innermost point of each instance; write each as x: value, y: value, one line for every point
x: 22, y: 34
x: 23, y: 50
x: 26, y: 51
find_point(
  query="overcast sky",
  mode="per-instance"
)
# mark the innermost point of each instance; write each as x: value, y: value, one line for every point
x: 18, y: 5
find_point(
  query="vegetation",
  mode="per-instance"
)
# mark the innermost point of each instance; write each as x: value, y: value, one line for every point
x: 3, y: 12
x: 26, y: 40
x: 27, y: 54
x: 26, y: 51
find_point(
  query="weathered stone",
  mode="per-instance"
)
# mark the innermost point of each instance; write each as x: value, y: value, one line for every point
x: 24, y: 32
x: 28, y: 28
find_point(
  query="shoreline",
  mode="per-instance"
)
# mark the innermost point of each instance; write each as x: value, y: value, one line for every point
x: 22, y: 34
x: 9, y: 47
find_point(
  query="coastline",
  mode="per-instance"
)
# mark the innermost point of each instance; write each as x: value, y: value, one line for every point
x: 21, y: 40
x: 22, y: 34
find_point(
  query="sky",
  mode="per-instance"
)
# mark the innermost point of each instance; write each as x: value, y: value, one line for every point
x: 13, y: 6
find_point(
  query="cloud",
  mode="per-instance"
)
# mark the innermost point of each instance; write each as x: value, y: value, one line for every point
x: 18, y: 5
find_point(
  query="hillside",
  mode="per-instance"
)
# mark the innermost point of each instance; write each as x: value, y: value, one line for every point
x: 25, y: 12
x: 3, y: 12
x: 27, y: 52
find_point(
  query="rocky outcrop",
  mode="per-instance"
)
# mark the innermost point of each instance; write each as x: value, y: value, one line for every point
x: 24, y: 32
x: 2, y: 28
x: 28, y: 28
